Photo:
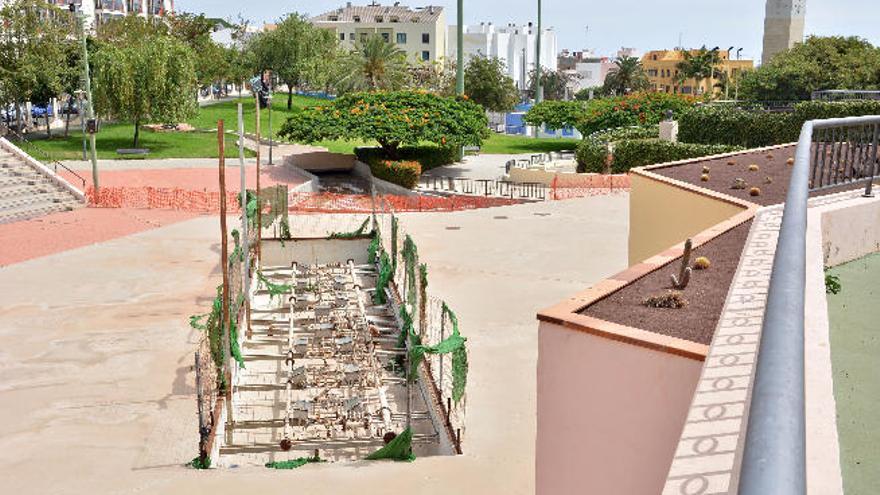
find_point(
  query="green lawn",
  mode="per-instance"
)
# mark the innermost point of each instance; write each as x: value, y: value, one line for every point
x: 203, y: 144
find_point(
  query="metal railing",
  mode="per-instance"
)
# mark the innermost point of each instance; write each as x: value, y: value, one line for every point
x: 484, y: 187
x: 47, y: 159
x: 774, y: 459
x: 844, y: 95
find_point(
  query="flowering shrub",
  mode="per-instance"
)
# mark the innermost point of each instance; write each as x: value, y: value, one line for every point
x: 637, y: 109
x: 393, y: 119
x: 402, y: 173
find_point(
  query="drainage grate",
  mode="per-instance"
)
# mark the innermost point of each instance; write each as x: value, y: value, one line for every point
x: 500, y: 217
x: 541, y: 214
x: 453, y: 228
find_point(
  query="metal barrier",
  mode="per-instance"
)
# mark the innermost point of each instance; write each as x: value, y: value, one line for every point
x: 844, y: 95
x: 774, y: 459
x: 485, y: 187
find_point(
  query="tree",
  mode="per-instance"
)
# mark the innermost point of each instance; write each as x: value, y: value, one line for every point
x: 393, y: 119
x: 211, y: 64
x: 626, y: 76
x: 374, y: 64
x: 698, y: 66
x: 819, y: 63
x: 555, y: 83
x: 36, y: 40
x: 147, y: 80
x: 487, y: 84
x: 295, y: 50
x: 433, y: 77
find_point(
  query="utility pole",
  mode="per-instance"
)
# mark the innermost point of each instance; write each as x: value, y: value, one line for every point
x: 92, y: 127
x: 539, y: 86
x: 459, y: 69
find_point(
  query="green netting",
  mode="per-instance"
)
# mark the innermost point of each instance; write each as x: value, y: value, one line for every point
x: 399, y: 449
x: 383, y: 279
x: 198, y: 463
x: 375, y: 246
x: 294, y: 463
x: 236, y: 252
x: 451, y: 344
x: 275, y: 290
x: 251, y: 208
x: 353, y: 234
x: 409, y: 253
x: 394, y: 228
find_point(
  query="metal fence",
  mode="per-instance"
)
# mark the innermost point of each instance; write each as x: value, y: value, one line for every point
x: 844, y: 95
x: 774, y: 459
x: 485, y: 187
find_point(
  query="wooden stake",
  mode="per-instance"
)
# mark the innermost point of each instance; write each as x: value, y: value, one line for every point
x: 258, y: 248
x: 224, y: 263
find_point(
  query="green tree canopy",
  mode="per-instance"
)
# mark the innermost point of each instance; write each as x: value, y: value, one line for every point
x: 627, y: 75
x: 487, y: 84
x: 296, y: 51
x: 554, y: 83
x: 151, y: 79
x: 698, y: 66
x: 819, y: 63
x: 393, y: 119
x: 374, y: 64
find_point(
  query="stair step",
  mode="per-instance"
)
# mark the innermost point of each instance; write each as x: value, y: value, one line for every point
x: 27, y: 189
x: 31, y: 211
x: 32, y: 199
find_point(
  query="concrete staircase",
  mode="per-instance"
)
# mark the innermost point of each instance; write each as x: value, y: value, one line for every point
x: 26, y: 193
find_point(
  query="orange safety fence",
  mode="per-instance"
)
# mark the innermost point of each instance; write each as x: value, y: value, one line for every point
x: 209, y: 201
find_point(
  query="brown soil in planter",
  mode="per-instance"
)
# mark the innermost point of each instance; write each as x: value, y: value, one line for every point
x: 705, y: 293
x: 771, y: 177
x: 722, y: 176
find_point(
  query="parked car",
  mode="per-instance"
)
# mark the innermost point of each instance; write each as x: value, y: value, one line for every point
x: 38, y: 111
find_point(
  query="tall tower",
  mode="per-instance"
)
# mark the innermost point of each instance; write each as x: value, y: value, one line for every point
x: 783, y: 26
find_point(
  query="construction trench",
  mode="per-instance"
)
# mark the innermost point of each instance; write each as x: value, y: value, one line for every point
x: 323, y: 376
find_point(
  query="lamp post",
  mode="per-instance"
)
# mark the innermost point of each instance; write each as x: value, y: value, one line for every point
x: 539, y: 85
x: 459, y: 69
x: 91, y: 127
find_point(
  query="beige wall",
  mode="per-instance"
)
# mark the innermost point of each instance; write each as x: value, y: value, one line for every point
x: 323, y: 161
x: 609, y: 414
x: 662, y: 215
x: 852, y: 232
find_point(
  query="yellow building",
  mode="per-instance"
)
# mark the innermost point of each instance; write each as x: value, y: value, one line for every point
x: 661, y: 67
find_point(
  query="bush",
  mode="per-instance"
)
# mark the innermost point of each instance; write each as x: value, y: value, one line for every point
x: 588, y: 117
x: 402, y: 173
x: 717, y: 124
x: 591, y: 156
x: 428, y: 156
x: 393, y: 119
x: 641, y: 152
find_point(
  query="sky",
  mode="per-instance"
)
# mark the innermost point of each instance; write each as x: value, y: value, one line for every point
x: 605, y: 26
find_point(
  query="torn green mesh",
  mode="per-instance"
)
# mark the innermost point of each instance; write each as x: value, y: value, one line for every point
x: 275, y: 290
x: 353, y: 234
x: 375, y: 245
x: 383, y: 279
x: 394, y: 228
x: 293, y: 463
x: 410, y: 253
x: 399, y: 449
x: 198, y: 463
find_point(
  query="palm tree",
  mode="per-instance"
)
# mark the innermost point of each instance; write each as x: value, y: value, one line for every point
x: 374, y: 64
x: 626, y: 75
x: 698, y: 66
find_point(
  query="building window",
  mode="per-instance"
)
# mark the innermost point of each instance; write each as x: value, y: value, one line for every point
x: 426, y: 38
x: 652, y: 72
x: 341, y: 36
x: 357, y: 18
x: 334, y: 18
x: 426, y: 55
x: 380, y: 19
x: 401, y: 38
x: 351, y: 36
x: 363, y: 36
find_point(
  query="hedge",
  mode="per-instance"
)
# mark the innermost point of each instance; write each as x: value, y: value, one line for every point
x: 400, y: 172
x: 641, y: 152
x: 429, y: 156
x: 592, y: 151
x: 756, y: 128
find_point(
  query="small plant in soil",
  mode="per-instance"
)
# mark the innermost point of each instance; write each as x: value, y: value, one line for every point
x: 790, y: 161
x: 704, y: 177
x: 832, y: 284
x: 706, y: 169
x: 684, y: 272
x: 739, y: 184
x: 668, y: 300
x: 768, y: 180
x: 731, y: 163
x: 702, y: 263
x: 754, y: 167
x: 755, y: 191
x: 769, y: 156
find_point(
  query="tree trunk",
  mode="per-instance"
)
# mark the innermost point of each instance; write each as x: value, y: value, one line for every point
x: 137, y: 132
x: 48, y: 123
x: 290, y: 96
x: 67, y: 120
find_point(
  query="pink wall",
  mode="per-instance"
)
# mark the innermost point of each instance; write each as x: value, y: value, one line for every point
x: 609, y: 414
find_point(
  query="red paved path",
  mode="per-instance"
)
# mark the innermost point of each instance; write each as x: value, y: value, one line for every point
x: 196, y: 179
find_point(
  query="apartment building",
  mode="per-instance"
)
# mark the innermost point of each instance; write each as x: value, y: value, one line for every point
x: 514, y: 44
x: 661, y: 67
x: 419, y: 31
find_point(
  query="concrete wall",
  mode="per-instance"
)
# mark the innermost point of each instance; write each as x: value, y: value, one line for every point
x: 323, y: 161
x: 311, y: 251
x: 662, y: 214
x: 609, y: 413
x: 852, y: 232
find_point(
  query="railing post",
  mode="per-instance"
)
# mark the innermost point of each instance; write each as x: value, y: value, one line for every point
x: 873, y: 162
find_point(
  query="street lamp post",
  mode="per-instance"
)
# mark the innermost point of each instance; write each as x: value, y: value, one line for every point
x: 539, y: 86
x: 87, y: 81
x: 459, y: 69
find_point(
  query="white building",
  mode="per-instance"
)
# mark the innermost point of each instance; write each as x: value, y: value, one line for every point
x: 420, y: 32
x: 514, y: 45
x: 98, y: 11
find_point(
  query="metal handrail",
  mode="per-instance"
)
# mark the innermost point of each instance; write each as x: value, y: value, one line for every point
x: 484, y: 187
x: 774, y: 458
x: 47, y: 157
